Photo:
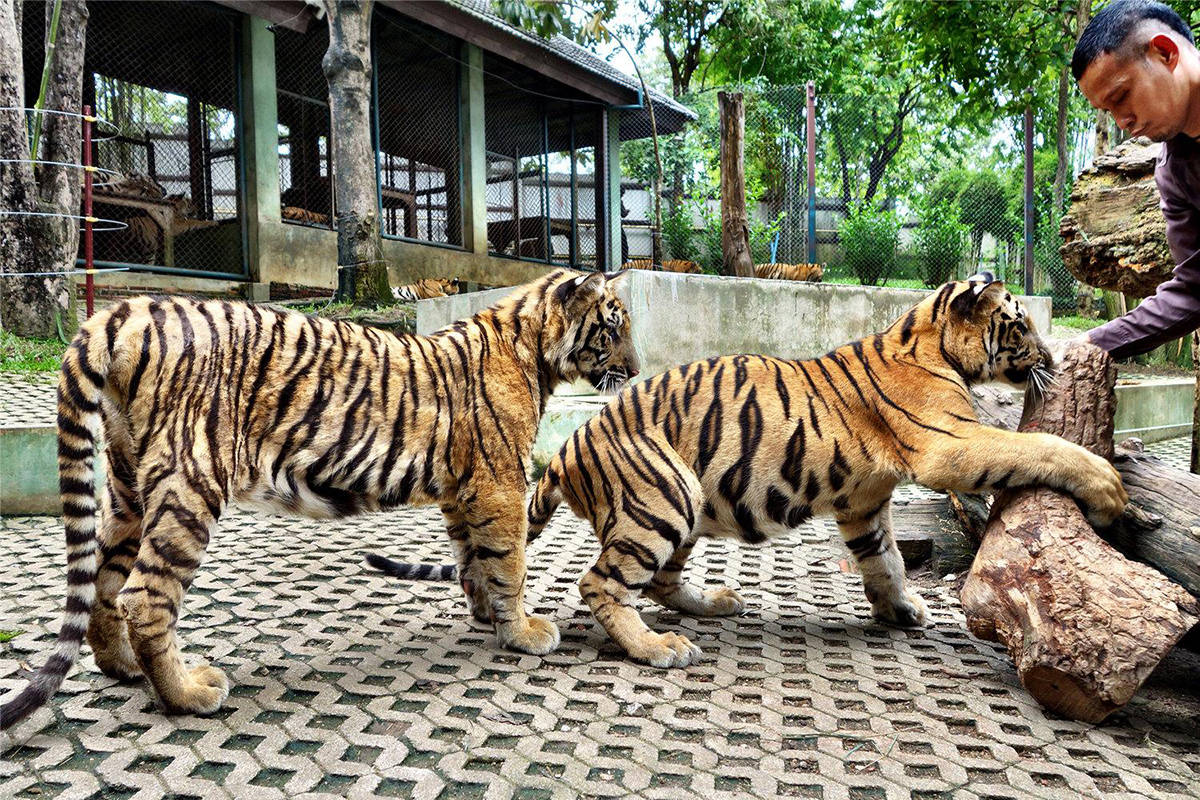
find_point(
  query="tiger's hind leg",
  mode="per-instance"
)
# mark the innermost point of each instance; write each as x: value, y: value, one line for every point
x: 473, y: 585
x: 177, y: 524
x: 120, y: 535
x: 668, y: 589
x: 648, y: 528
x: 870, y: 540
x: 496, y: 529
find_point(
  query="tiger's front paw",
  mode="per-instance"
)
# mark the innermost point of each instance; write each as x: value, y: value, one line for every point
x: 1102, y: 494
x: 664, y: 650
x: 538, y: 636
x: 907, y: 611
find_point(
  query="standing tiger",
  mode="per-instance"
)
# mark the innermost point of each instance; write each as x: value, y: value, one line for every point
x: 790, y: 272
x: 669, y: 265
x: 203, y: 403
x: 425, y: 289
x: 749, y: 446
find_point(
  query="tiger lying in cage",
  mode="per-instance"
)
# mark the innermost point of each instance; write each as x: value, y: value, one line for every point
x: 790, y: 272
x: 670, y: 265
x: 425, y: 289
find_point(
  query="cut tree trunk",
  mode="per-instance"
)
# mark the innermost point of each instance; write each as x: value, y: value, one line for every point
x: 40, y: 305
x: 1162, y: 526
x: 735, y: 228
x: 1114, y: 235
x: 1084, y: 626
x: 363, y: 276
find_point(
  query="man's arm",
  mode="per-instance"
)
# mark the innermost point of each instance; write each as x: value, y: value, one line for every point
x: 1171, y: 312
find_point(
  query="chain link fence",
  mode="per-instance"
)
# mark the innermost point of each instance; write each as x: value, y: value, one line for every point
x: 171, y: 131
x: 890, y: 206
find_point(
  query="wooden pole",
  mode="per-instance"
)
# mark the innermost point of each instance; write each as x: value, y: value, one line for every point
x: 735, y: 227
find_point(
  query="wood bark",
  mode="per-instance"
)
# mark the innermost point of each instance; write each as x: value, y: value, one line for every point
x: 363, y: 276
x: 1084, y: 626
x: 39, y: 305
x: 1114, y: 235
x: 735, y: 226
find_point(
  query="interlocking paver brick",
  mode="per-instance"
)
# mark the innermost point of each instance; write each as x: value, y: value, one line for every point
x: 351, y: 684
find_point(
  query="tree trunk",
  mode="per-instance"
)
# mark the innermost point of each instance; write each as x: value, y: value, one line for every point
x: 1084, y: 626
x: 1114, y: 235
x: 735, y: 227
x: 39, y: 305
x: 1102, y: 133
x: 363, y: 276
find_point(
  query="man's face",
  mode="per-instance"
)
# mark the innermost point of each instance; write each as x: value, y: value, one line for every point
x: 1145, y: 93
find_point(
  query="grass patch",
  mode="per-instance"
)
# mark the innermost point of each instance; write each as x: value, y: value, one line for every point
x: 8, y: 636
x: 1076, y: 323
x: 18, y: 354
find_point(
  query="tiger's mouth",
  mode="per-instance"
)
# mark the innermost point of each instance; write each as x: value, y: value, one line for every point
x: 609, y: 381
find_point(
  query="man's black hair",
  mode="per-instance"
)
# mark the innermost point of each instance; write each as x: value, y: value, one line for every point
x: 1109, y: 29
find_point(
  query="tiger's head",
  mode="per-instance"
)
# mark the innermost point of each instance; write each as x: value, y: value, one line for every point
x: 594, y: 342
x: 987, y: 335
x: 448, y: 286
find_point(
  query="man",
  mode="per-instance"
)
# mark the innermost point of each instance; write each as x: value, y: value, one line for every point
x: 1137, y: 60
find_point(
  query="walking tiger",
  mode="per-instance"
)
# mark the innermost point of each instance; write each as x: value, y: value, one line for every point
x: 750, y: 447
x: 206, y: 402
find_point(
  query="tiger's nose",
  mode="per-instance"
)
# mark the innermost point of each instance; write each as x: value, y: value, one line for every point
x: 633, y: 371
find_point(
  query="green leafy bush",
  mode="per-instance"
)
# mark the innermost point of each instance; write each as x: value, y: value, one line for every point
x: 941, y: 242
x: 869, y: 238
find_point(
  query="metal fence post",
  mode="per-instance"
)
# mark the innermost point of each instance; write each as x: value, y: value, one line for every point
x: 1028, y: 200
x: 811, y: 137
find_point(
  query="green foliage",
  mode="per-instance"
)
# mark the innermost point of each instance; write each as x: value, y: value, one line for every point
x: 870, y: 237
x: 761, y: 234
x: 8, y: 636
x: 941, y: 242
x: 18, y: 354
x: 679, y: 239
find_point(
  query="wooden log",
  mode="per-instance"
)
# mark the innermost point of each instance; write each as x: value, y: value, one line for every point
x: 735, y: 227
x: 1083, y: 625
x: 1114, y: 235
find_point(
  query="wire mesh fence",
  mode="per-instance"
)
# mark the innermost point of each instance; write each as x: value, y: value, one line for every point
x: 174, y: 140
x: 885, y: 209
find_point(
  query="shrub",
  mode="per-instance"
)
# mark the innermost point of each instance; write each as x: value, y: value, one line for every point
x: 941, y: 242
x: 869, y: 238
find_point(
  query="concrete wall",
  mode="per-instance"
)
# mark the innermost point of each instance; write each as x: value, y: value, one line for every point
x: 681, y: 318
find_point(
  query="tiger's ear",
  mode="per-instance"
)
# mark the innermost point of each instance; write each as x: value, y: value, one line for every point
x: 976, y: 295
x: 577, y: 293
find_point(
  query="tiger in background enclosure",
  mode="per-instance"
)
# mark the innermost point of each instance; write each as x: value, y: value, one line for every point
x: 790, y: 272
x: 425, y: 289
x: 670, y: 265
x: 204, y: 403
x: 750, y: 447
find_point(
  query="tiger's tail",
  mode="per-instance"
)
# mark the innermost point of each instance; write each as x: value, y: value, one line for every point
x: 547, y: 496
x: 81, y: 380
x: 413, y: 572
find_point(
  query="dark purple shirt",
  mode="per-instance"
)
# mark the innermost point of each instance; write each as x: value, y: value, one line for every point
x: 1173, y: 310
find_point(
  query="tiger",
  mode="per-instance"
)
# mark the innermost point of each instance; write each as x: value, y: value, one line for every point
x: 206, y: 402
x: 790, y: 272
x: 670, y: 265
x: 750, y: 447
x: 425, y: 289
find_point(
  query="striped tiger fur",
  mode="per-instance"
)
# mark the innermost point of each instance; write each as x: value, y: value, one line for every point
x: 425, y: 289
x: 750, y: 447
x: 204, y: 403
x: 670, y: 265
x: 790, y: 272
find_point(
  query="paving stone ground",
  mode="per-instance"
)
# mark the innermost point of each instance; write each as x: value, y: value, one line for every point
x: 350, y: 684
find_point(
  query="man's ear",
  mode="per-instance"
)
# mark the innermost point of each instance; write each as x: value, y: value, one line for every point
x: 1164, y: 49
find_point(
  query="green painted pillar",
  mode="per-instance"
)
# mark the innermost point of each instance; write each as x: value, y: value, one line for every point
x: 474, y: 156
x: 612, y: 175
x: 260, y: 116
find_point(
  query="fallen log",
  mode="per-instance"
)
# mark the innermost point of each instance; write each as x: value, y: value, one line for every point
x: 1161, y: 527
x: 1083, y: 625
